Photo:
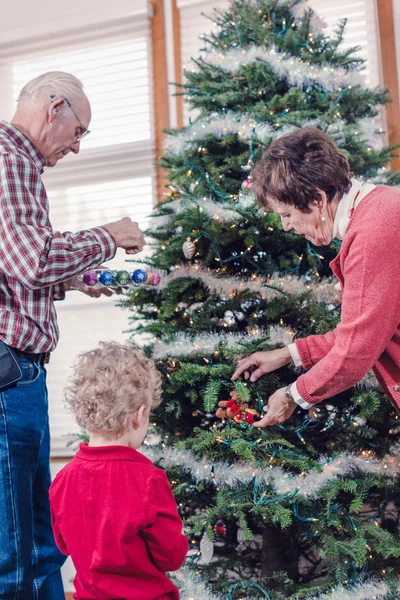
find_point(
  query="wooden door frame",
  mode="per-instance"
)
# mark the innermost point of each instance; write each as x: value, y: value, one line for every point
x: 390, y: 72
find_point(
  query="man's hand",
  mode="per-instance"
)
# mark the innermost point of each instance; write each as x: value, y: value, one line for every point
x: 76, y: 284
x: 280, y: 408
x: 127, y: 235
x: 260, y: 363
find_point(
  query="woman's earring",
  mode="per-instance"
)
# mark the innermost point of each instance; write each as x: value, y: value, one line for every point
x: 323, y: 218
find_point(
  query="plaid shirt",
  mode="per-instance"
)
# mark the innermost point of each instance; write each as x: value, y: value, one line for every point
x: 34, y: 259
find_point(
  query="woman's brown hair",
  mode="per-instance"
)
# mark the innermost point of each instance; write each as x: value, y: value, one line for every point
x: 297, y: 165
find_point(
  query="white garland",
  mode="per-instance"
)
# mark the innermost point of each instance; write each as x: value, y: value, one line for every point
x: 365, y: 591
x: 294, y: 70
x: 308, y: 485
x: 246, y: 127
x: 191, y: 587
x: 185, y: 344
x: 225, y: 213
x: 228, y: 286
x: 221, y: 125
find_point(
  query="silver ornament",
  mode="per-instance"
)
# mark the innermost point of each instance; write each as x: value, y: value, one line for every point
x: 189, y: 248
x: 206, y: 549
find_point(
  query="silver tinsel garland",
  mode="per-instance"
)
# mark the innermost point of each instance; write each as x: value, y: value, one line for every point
x: 225, y: 213
x: 297, y: 72
x: 247, y: 128
x: 308, y: 485
x: 185, y: 344
x: 193, y: 588
x: 228, y: 286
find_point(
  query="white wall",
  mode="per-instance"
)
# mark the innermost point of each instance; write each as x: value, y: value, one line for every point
x: 32, y: 19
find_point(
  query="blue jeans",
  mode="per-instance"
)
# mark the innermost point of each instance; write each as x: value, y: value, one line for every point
x: 29, y: 559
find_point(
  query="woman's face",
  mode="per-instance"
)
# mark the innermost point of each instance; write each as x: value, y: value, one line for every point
x: 316, y: 225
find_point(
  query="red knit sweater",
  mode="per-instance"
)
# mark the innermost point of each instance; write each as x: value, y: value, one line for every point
x: 368, y: 335
x: 114, y: 513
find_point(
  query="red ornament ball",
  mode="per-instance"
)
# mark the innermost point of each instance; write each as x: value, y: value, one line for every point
x: 247, y: 183
x: 220, y: 529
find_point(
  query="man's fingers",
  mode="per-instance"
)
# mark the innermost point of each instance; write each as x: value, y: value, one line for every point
x: 134, y: 250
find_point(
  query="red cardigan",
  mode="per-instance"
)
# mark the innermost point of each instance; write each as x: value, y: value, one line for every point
x: 368, y: 335
x: 113, y: 511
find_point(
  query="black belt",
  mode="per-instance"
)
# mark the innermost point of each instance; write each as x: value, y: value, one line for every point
x: 42, y: 357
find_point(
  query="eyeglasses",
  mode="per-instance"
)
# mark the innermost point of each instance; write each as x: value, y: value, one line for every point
x: 84, y: 130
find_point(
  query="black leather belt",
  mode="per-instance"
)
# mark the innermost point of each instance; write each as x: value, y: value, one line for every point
x: 42, y: 357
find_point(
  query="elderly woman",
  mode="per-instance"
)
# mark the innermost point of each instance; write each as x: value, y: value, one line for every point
x: 305, y: 179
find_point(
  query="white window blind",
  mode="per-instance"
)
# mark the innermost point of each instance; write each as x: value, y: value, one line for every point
x: 116, y: 80
x: 362, y: 30
x: 193, y: 25
x: 112, y: 177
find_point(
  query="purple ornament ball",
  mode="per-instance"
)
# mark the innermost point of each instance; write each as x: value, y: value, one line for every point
x: 90, y: 278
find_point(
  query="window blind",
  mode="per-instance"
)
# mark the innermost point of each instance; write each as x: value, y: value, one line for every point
x: 112, y: 177
x: 193, y: 25
x: 361, y: 30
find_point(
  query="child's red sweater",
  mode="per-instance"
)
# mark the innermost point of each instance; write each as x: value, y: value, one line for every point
x: 113, y: 511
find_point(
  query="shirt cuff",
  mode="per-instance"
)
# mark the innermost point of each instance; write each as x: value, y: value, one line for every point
x: 107, y: 243
x: 298, y: 399
x: 294, y: 353
x: 58, y: 291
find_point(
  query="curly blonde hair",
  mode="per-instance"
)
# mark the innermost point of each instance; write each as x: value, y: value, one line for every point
x: 109, y: 384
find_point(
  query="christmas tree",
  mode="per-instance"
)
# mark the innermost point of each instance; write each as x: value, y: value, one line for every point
x: 310, y: 508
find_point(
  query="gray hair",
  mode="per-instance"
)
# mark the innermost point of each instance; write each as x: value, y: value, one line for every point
x: 53, y: 83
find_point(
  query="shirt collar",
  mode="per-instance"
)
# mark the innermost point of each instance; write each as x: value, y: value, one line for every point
x: 102, y: 453
x: 19, y: 139
x: 342, y: 217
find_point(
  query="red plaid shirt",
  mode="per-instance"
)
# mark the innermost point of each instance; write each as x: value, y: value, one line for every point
x: 34, y: 259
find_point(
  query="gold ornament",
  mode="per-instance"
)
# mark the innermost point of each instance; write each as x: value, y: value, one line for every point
x: 189, y: 249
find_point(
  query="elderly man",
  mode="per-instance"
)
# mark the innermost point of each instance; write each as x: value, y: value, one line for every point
x: 37, y: 266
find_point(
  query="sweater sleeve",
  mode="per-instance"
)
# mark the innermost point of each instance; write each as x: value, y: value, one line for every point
x: 314, y: 347
x: 163, y: 531
x: 370, y: 310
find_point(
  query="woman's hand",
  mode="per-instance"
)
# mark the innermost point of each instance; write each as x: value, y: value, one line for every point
x: 280, y: 408
x: 260, y: 363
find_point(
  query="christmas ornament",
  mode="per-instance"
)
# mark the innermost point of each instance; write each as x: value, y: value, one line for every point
x: 247, y: 183
x: 206, y: 549
x: 122, y: 277
x: 228, y: 409
x: 220, y: 529
x: 240, y: 538
x: 237, y: 410
x: 107, y: 278
x: 139, y: 276
x: 90, y: 278
x: 249, y: 415
x: 156, y: 279
x: 189, y: 249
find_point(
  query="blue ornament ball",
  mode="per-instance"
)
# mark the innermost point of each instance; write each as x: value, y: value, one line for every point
x: 107, y: 278
x: 139, y: 276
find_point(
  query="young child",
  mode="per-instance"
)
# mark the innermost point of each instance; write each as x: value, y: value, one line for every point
x: 113, y: 511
